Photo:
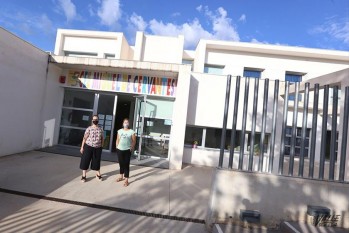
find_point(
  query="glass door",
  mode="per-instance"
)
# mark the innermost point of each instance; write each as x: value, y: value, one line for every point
x: 106, y: 105
x: 77, y: 111
x: 76, y: 116
x: 139, y: 123
x: 153, y: 122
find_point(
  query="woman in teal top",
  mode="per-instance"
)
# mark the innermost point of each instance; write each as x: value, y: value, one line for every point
x: 125, y: 144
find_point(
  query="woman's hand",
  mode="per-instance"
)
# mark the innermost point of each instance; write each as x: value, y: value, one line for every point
x: 81, y: 150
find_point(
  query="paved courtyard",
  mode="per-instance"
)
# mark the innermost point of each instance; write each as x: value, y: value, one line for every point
x: 42, y: 192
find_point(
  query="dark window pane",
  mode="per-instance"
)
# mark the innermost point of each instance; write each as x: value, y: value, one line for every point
x: 72, y: 137
x: 287, y: 141
x: 298, y: 141
x: 76, y: 118
x: 193, y: 134
x: 297, y: 151
x: 252, y: 73
x: 293, y: 78
x: 78, y: 99
x: 287, y: 150
x: 213, y: 138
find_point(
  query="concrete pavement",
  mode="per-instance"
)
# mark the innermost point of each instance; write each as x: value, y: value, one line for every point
x: 182, y: 193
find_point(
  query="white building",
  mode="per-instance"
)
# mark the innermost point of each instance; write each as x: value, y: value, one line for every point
x: 172, y: 96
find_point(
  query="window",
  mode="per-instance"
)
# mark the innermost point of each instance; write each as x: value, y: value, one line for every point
x: 187, y: 62
x: 288, y: 139
x: 79, y: 54
x: 252, y: 73
x: 76, y: 116
x: 193, y: 134
x: 328, y: 145
x: 257, y: 139
x: 293, y: 78
x: 213, y: 69
x: 109, y: 56
x: 211, y: 138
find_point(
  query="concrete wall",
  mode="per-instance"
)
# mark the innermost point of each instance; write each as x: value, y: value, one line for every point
x: 207, y: 100
x: 52, y: 107
x: 277, y: 198
x: 274, y: 66
x: 179, y: 118
x: 162, y: 49
x: 273, y: 60
x: 100, y: 43
x: 22, y: 93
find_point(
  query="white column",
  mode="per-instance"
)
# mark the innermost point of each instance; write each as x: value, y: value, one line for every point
x: 179, y: 118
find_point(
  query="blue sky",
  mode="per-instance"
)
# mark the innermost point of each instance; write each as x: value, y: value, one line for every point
x: 307, y: 23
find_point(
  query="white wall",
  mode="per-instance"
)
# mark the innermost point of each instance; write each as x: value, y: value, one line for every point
x: 52, y: 109
x: 207, y: 101
x: 163, y: 49
x: 100, y: 43
x: 277, y: 198
x: 22, y: 88
x: 179, y: 117
x: 274, y: 66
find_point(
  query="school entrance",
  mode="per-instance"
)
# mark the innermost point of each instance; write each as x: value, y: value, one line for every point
x: 149, y: 116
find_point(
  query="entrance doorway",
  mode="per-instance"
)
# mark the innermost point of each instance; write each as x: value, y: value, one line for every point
x: 150, y: 118
x: 152, y: 124
x: 77, y: 111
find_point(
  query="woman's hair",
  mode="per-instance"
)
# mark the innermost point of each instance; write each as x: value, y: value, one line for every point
x: 95, y: 115
x: 125, y: 119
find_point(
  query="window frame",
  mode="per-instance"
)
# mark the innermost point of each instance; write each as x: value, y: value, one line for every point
x: 218, y: 67
x: 248, y: 69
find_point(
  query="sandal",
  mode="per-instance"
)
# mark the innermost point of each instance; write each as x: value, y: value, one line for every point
x: 126, y: 183
x: 99, y: 178
x: 83, y: 179
x: 119, y: 179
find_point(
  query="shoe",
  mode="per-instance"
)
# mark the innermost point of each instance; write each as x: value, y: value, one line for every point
x: 99, y: 178
x: 83, y: 179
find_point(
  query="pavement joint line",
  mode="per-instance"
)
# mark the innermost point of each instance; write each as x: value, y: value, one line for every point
x: 292, y: 227
x: 103, y: 207
x: 219, y: 229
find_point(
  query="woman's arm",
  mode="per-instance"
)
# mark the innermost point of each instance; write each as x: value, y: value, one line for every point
x: 102, y: 137
x: 117, y: 141
x: 133, y: 143
x: 84, y: 140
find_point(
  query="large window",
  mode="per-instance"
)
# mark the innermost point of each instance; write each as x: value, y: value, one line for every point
x: 288, y: 139
x: 293, y: 78
x: 252, y: 73
x: 213, y: 69
x: 76, y: 116
x: 211, y: 138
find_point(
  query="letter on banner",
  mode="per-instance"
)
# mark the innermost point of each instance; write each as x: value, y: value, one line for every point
x: 145, y: 83
x: 135, y: 84
x: 140, y: 84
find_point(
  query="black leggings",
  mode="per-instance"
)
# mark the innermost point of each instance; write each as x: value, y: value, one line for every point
x: 124, y: 157
x: 91, y: 155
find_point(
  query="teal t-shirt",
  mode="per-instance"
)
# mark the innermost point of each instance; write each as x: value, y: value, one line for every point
x: 125, y: 139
